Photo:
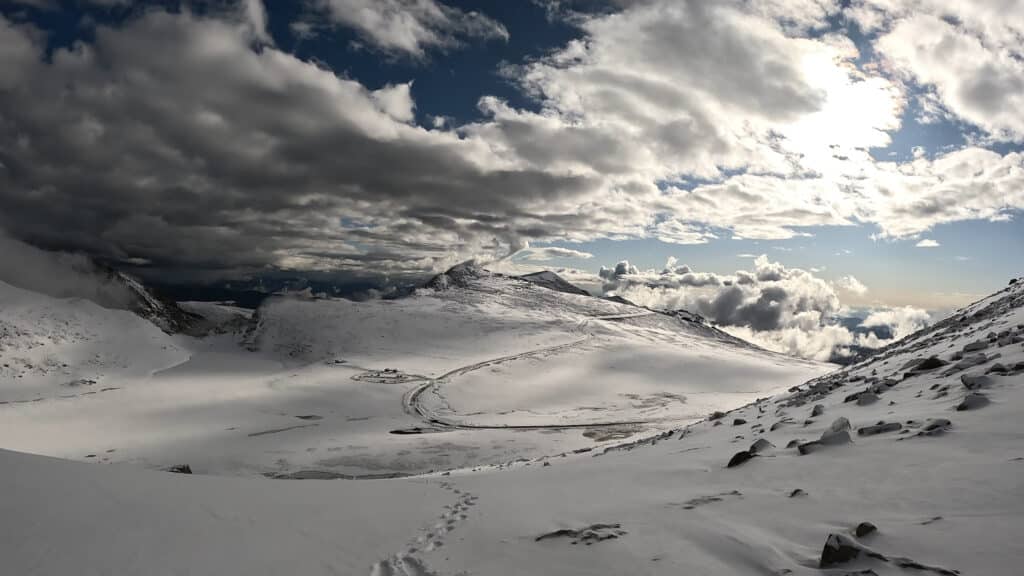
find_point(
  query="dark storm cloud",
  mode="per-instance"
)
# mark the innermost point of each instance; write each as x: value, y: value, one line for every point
x: 184, y: 141
x: 196, y: 144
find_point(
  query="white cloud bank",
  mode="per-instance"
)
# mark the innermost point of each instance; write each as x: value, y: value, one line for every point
x: 784, y: 309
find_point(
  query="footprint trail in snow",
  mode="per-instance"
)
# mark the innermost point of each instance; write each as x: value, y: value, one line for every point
x: 406, y: 562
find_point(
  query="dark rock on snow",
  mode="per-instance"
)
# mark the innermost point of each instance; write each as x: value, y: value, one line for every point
x: 739, y: 458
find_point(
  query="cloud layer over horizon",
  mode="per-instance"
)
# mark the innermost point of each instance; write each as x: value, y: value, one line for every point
x: 783, y: 309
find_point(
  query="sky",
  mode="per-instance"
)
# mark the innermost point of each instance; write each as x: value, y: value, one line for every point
x: 873, y: 146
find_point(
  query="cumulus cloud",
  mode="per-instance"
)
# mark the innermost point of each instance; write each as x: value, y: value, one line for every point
x: 785, y: 309
x: 852, y: 285
x: 191, y: 142
x: 927, y: 243
x: 902, y: 321
x: 411, y: 27
x: 969, y: 53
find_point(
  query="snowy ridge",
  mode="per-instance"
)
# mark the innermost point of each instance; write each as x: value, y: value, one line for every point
x: 167, y: 315
x: 553, y: 281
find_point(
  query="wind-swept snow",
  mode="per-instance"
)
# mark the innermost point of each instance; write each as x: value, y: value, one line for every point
x: 868, y: 470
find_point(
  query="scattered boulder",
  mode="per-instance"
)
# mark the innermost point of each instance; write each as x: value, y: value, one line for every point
x: 997, y: 368
x: 839, y: 549
x: 935, y: 427
x: 760, y: 445
x: 739, y: 458
x: 836, y: 434
x: 880, y: 428
x: 797, y: 492
x: 930, y: 363
x: 794, y: 443
x: 976, y: 346
x: 967, y: 362
x: 739, y: 422
x: 716, y: 415
x: 973, y: 401
x: 867, y: 398
x: 976, y: 382
x: 864, y: 528
x: 818, y: 410
x: 179, y: 469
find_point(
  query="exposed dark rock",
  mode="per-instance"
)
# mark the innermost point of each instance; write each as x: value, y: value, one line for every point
x: 716, y: 415
x: 797, y: 492
x: 867, y: 398
x: 739, y: 422
x: 997, y: 368
x: 930, y: 363
x: 179, y: 469
x: 879, y: 429
x: 760, y: 445
x: 864, y: 528
x: 976, y: 382
x: 973, y: 401
x: 839, y: 549
x: 818, y: 410
x: 975, y: 346
x: 935, y: 427
x: 739, y: 458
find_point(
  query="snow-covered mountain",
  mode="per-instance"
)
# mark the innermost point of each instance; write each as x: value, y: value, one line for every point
x: 553, y: 281
x: 568, y: 435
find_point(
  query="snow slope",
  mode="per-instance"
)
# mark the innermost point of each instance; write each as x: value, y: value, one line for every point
x: 54, y: 348
x: 943, y: 497
x: 485, y: 369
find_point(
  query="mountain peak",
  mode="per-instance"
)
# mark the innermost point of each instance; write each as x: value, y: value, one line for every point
x: 552, y: 281
x: 460, y: 275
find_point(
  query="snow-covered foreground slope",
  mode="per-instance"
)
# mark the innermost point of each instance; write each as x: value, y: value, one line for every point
x: 485, y: 371
x: 882, y: 442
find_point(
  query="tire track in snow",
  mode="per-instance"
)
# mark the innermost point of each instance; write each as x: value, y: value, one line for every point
x: 412, y: 406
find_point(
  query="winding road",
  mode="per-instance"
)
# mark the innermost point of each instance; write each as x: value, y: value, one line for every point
x: 411, y: 399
